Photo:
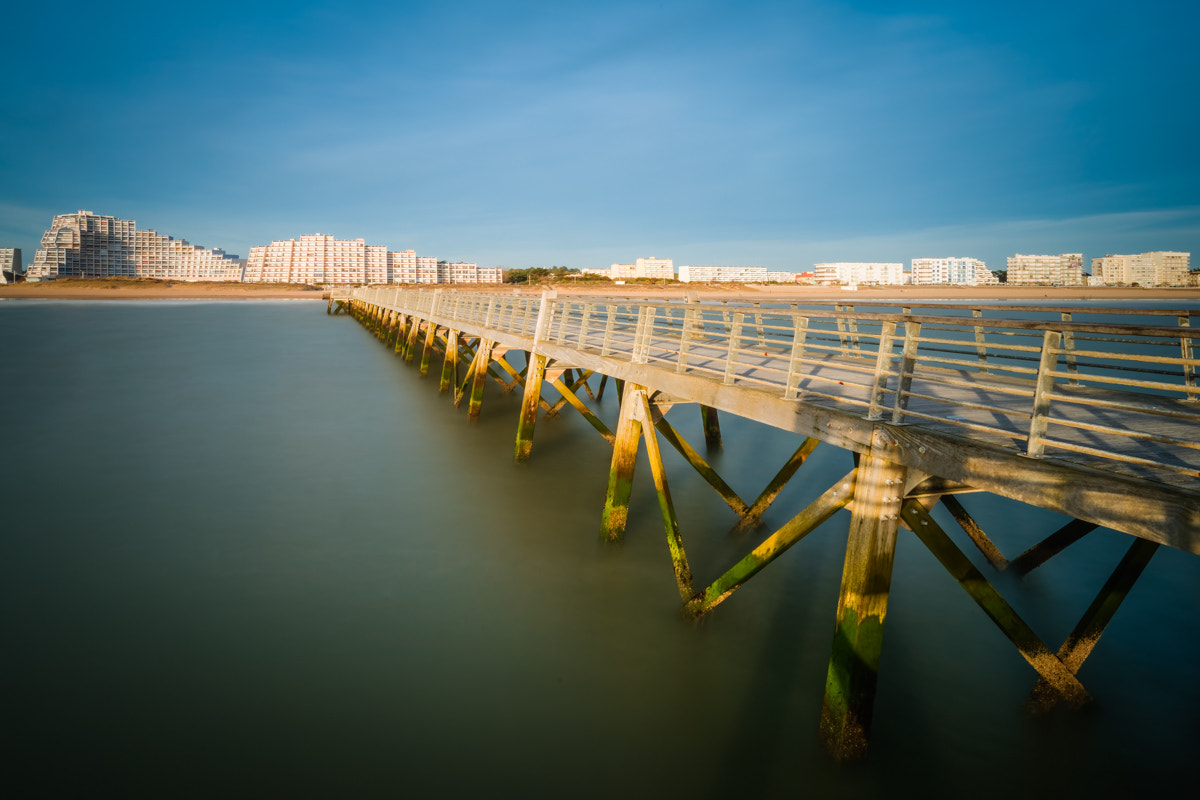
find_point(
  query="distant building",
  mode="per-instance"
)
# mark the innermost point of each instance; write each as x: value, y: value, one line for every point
x: 468, y: 272
x: 1061, y: 270
x: 10, y: 264
x: 641, y: 268
x: 321, y: 258
x: 956, y: 271
x: 1159, y: 268
x: 318, y: 258
x: 852, y: 273
x: 87, y: 245
x: 690, y: 274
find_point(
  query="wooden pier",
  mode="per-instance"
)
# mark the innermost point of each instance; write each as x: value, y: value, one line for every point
x: 1097, y: 421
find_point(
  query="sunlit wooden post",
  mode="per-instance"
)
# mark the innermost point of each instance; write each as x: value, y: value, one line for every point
x: 620, y: 474
x: 482, y: 359
x: 450, y: 363
x: 862, y: 604
x: 529, y: 406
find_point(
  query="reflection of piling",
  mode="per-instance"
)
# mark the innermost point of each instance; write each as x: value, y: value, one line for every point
x: 927, y: 414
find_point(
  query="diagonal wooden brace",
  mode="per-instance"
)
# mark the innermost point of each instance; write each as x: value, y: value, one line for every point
x: 1060, y: 679
x: 833, y: 499
x: 1086, y: 635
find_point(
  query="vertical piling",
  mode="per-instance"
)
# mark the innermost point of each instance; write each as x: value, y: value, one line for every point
x: 482, y: 359
x: 620, y: 474
x: 862, y: 606
x: 712, y: 427
x: 529, y: 406
x: 427, y: 350
x: 450, y: 363
x: 410, y: 345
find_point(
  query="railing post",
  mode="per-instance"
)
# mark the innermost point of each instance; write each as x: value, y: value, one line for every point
x: 685, y: 338
x: 735, y: 336
x: 883, y: 368
x: 545, y: 310
x: 980, y: 341
x: 641, y: 336
x: 799, y: 337
x: 1068, y: 341
x: 1041, y: 396
x: 562, y: 324
x: 610, y: 313
x: 908, y: 365
x: 583, y: 324
x: 1187, y: 350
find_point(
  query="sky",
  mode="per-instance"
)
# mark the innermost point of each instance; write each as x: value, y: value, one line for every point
x: 523, y: 134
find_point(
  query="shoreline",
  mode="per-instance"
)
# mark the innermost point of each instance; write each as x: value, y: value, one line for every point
x: 101, y: 289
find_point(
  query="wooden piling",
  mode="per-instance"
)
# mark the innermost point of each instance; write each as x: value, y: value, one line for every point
x: 712, y: 427
x: 862, y: 606
x: 620, y: 473
x: 427, y: 350
x: 530, y: 401
x: 410, y: 345
x: 450, y: 363
x: 482, y: 358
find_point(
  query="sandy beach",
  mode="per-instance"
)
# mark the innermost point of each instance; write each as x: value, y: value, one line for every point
x: 128, y: 289
x: 134, y: 289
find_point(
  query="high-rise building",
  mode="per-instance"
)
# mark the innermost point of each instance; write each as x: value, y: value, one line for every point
x: 320, y: 258
x: 1158, y: 268
x: 87, y: 245
x: 651, y: 267
x: 468, y: 272
x: 10, y: 264
x: 957, y: 271
x: 852, y: 273
x: 1061, y: 270
x: 692, y: 274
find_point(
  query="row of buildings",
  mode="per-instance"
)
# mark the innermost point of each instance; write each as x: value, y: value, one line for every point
x: 84, y: 244
x: 653, y: 268
x: 87, y: 245
x: 320, y: 258
x: 1161, y: 268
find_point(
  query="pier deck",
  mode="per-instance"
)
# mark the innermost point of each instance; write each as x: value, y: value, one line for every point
x: 1100, y: 422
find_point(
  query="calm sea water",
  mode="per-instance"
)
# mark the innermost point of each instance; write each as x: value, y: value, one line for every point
x: 246, y: 551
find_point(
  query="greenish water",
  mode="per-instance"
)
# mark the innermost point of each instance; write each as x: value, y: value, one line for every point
x: 247, y: 552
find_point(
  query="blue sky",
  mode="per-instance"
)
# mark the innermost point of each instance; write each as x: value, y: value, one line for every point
x: 529, y: 134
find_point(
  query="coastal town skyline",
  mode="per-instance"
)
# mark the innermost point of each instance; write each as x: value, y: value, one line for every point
x: 88, y: 245
x: 761, y: 134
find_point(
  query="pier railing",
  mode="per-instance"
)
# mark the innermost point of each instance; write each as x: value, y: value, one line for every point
x: 1097, y: 421
x: 1108, y: 395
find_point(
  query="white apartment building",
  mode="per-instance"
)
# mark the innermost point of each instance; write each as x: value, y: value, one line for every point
x: 695, y: 274
x: 320, y: 258
x: 402, y: 266
x: 852, y: 273
x: 643, y: 268
x: 468, y: 272
x: 1158, y: 268
x: 87, y: 245
x: 1065, y: 269
x: 958, y: 271
x: 10, y: 264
